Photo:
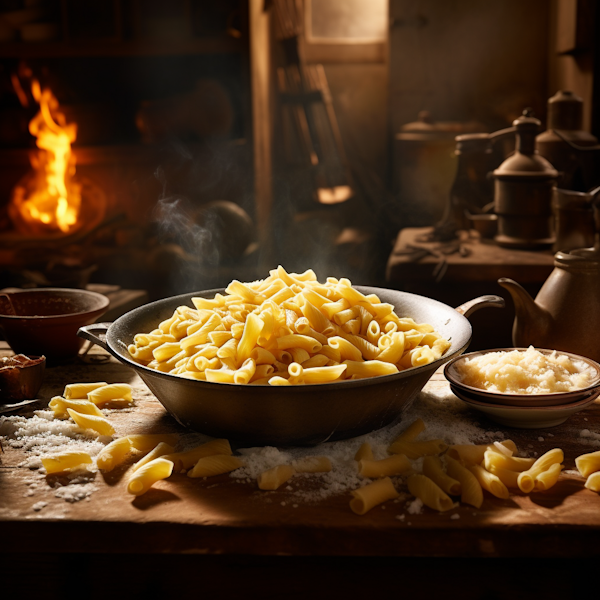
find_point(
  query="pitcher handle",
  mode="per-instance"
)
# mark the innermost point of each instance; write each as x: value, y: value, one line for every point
x: 88, y: 332
x: 489, y: 301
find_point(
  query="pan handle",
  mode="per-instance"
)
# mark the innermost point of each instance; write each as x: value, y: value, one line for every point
x: 88, y: 332
x: 489, y: 301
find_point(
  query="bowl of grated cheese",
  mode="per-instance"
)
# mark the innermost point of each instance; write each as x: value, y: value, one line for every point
x: 523, y: 377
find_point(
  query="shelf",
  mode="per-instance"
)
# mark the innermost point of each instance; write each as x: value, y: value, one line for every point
x: 205, y: 45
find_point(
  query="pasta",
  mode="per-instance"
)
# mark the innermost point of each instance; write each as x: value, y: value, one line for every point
x: 66, y: 460
x: 275, y: 477
x: 114, y: 454
x: 393, y: 465
x: 331, y: 331
x: 429, y: 493
x: 588, y: 463
x: 59, y: 406
x: 79, y: 391
x: 161, y: 449
x: 216, y: 464
x: 432, y: 468
x: 369, y: 496
x: 527, y: 478
x: 108, y: 394
x: 145, y: 477
x: 186, y: 460
x: 593, y: 482
x: 98, y: 424
x: 364, y: 452
x: 546, y: 479
x: 475, y: 454
x: 145, y: 442
x: 471, y: 490
x: 416, y: 449
x: 490, y: 482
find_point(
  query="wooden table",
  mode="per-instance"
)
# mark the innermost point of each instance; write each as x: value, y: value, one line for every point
x: 226, y: 530
x: 456, y: 278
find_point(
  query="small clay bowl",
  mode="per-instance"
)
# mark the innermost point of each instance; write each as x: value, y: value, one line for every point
x: 521, y: 400
x: 45, y: 321
x: 21, y: 377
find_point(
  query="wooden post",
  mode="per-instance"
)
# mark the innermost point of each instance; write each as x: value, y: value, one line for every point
x: 262, y: 122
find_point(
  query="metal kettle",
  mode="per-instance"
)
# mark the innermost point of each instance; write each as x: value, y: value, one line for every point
x: 566, y: 312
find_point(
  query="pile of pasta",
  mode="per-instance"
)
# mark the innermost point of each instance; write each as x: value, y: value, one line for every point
x: 287, y: 329
x: 464, y: 471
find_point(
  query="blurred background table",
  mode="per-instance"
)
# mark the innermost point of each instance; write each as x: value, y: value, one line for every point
x: 457, y: 271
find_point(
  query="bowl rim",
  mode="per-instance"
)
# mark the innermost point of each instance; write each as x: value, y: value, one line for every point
x: 588, y: 399
x: 101, y: 298
x: 538, y: 397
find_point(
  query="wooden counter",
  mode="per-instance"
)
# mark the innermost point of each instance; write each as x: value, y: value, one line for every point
x: 222, y: 516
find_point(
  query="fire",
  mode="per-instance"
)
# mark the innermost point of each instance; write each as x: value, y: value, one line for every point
x: 49, y: 199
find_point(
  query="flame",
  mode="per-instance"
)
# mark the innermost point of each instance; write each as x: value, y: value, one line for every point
x: 50, y: 198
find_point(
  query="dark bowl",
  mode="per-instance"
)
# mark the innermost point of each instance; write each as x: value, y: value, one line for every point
x: 289, y: 415
x: 45, y: 321
x: 519, y: 400
x: 21, y: 377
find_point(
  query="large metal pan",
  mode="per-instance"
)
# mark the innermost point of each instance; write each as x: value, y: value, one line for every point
x: 291, y: 415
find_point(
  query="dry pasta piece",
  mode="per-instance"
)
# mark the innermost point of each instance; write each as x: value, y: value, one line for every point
x: 59, y: 407
x: 114, y: 454
x: 275, y: 477
x: 432, y: 468
x: 369, y: 496
x: 161, y: 449
x: 97, y: 424
x: 113, y: 391
x: 527, y: 478
x: 546, y: 479
x: 473, y: 454
x: 144, y: 442
x: 593, y: 482
x: 346, y: 349
x: 64, y: 461
x: 365, y: 452
x: 471, y: 491
x: 510, y: 463
x: 588, y: 463
x: 145, y: 477
x: 426, y: 490
x: 412, y: 431
x: 392, y: 465
x: 490, y: 482
x: 323, y: 374
x: 186, y: 460
x: 509, y: 478
x: 79, y: 391
x: 312, y: 464
x: 216, y: 464
x: 416, y: 449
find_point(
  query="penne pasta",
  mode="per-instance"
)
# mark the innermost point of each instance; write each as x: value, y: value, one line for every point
x: 527, y: 478
x: 98, y: 424
x: 489, y: 482
x: 588, y: 463
x: 145, y: 477
x: 471, y: 490
x: 113, y: 454
x: 64, y: 461
x: 392, y: 465
x: 187, y: 459
x: 432, y: 468
x: 79, y: 391
x: 215, y: 464
x: 369, y: 496
x: 426, y: 490
x: 161, y: 449
x: 275, y: 477
x: 364, y: 452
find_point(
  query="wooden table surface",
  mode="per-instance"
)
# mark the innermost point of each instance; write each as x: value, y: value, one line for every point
x: 222, y: 515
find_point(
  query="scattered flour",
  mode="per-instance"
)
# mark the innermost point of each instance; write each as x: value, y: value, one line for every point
x: 444, y: 415
x: 589, y: 437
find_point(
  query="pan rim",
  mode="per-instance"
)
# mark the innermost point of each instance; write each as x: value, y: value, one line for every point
x: 294, y: 389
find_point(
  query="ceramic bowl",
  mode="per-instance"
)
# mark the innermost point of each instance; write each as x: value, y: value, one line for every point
x: 520, y: 400
x: 21, y: 377
x: 45, y: 321
x: 529, y: 417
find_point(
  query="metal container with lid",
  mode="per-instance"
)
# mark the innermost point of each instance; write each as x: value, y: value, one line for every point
x: 425, y: 167
x: 565, y: 127
x: 523, y: 189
